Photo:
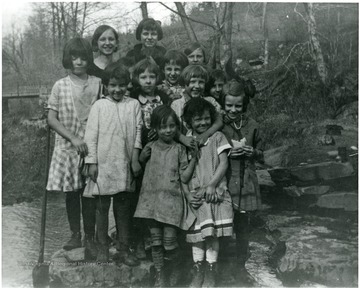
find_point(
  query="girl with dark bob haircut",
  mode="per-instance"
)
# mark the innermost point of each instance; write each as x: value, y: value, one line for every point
x: 196, y: 107
x: 145, y: 64
x: 77, y: 47
x: 117, y: 71
x: 161, y: 114
x: 193, y: 71
x: 149, y: 24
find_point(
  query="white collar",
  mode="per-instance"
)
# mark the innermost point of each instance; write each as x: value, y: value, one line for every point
x: 143, y: 100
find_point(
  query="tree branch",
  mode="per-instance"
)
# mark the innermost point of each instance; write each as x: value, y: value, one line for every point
x: 187, y: 17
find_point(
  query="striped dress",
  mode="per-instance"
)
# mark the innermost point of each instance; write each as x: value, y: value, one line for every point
x: 212, y: 219
x: 64, y: 174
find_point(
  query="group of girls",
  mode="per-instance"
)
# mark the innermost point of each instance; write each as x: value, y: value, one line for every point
x: 167, y: 140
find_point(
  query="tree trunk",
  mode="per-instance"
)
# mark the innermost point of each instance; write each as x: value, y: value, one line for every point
x: 189, y: 30
x: 227, y: 35
x: 315, y: 43
x: 266, y: 36
x: 83, y: 20
x: 144, y: 11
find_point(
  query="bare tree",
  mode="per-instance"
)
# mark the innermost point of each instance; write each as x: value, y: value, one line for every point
x: 315, y: 43
x: 189, y: 29
x: 144, y: 11
x: 266, y: 34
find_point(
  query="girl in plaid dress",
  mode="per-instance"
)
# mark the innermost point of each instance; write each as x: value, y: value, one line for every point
x: 243, y: 134
x: 69, y: 106
x: 208, y: 194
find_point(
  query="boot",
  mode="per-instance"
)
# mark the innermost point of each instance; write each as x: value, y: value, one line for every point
x: 160, y: 279
x: 173, y: 266
x: 198, y: 275
x: 90, y: 247
x: 210, y: 275
x: 74, y: 242
x: 140, y: 251
x: 102, y: 254
x: 125, y: 256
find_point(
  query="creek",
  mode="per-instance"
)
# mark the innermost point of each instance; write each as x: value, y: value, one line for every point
x: 21, y: 234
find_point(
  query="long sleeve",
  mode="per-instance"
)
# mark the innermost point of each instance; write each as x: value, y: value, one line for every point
x: 92, y: 135
x: 139, y: 124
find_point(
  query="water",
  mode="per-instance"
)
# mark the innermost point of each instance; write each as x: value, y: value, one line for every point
x: 21, y: 234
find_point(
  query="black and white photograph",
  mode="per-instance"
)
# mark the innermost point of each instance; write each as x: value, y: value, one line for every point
x: 180, y: 144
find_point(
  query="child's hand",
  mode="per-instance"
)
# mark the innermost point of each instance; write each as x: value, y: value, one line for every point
x: 136, y: 168
x: 237, y: 152
x: 190, y: 142
x: 145, y: 154
x: 194, y: 200
x: 210, y: 194
x: 152, y: 135
x: 80, y: 146
x: 202, y: 139
x: 248, y: 151
x: 93, y: 172
x: 194, y: 152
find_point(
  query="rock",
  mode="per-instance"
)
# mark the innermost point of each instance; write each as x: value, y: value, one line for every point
x: 326, y: 140
x: 277, y: 157
x: 280, y: 175
x: 95, y: 274
x: 339, y: 200
x: 322, y: 171
x: 315, y: 190
x: 333, y: 129
x: 264, y: 178
x: 314, y: 253
x: 333, y: 153
x: 75, y: 255
x: 295, y: 191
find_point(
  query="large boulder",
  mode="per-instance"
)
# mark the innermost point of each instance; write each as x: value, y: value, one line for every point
x: 322, y: 171
x: 339, y: 200
x: 277, y: 157
x: 65, y: 272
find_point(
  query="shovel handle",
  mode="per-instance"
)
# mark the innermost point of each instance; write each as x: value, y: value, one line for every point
x: 44, y: 200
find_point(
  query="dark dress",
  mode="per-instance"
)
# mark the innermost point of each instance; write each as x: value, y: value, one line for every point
x: 242, y: 179
x: 138, y: 53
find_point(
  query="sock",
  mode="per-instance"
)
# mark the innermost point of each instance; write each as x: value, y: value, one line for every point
x: 198, y: 252
x: 212, y: 250
x: 158, y: 257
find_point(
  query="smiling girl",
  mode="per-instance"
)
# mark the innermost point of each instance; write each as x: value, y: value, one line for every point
x: 148, y: 32
x: 208, y: 194
x: 241, y: 175
x: 105, y: 44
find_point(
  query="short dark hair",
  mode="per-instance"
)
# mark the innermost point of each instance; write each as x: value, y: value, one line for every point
x: 161, y: 114
x: 193, y: 71
x: 192, y: 47
x: 98, y: 32
x: 140, y: 67
x: 117, y: 71
x: 175, y: 57
x: 216, y: 74
x: 237, y: 89
x: 77, y: 47
x: 149, y: 24
x: 196, y: 107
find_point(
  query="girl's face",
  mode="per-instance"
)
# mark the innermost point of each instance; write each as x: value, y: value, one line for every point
x: 196, y: 87
x: 167, y: 130
x: 172, y: 73
x: 117, y: 89
x: 234, y: 106
x: 149, y: 38
x: 217, y: 89
x: 107, y: 43
x: 147, y: 82
x: 79, y: 65
x: 196, y: 57
x: 201, y: 123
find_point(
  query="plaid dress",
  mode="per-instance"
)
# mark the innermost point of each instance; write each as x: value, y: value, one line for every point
x: 212, y: 219
x: 242, y: 179
x: 64, y: 173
